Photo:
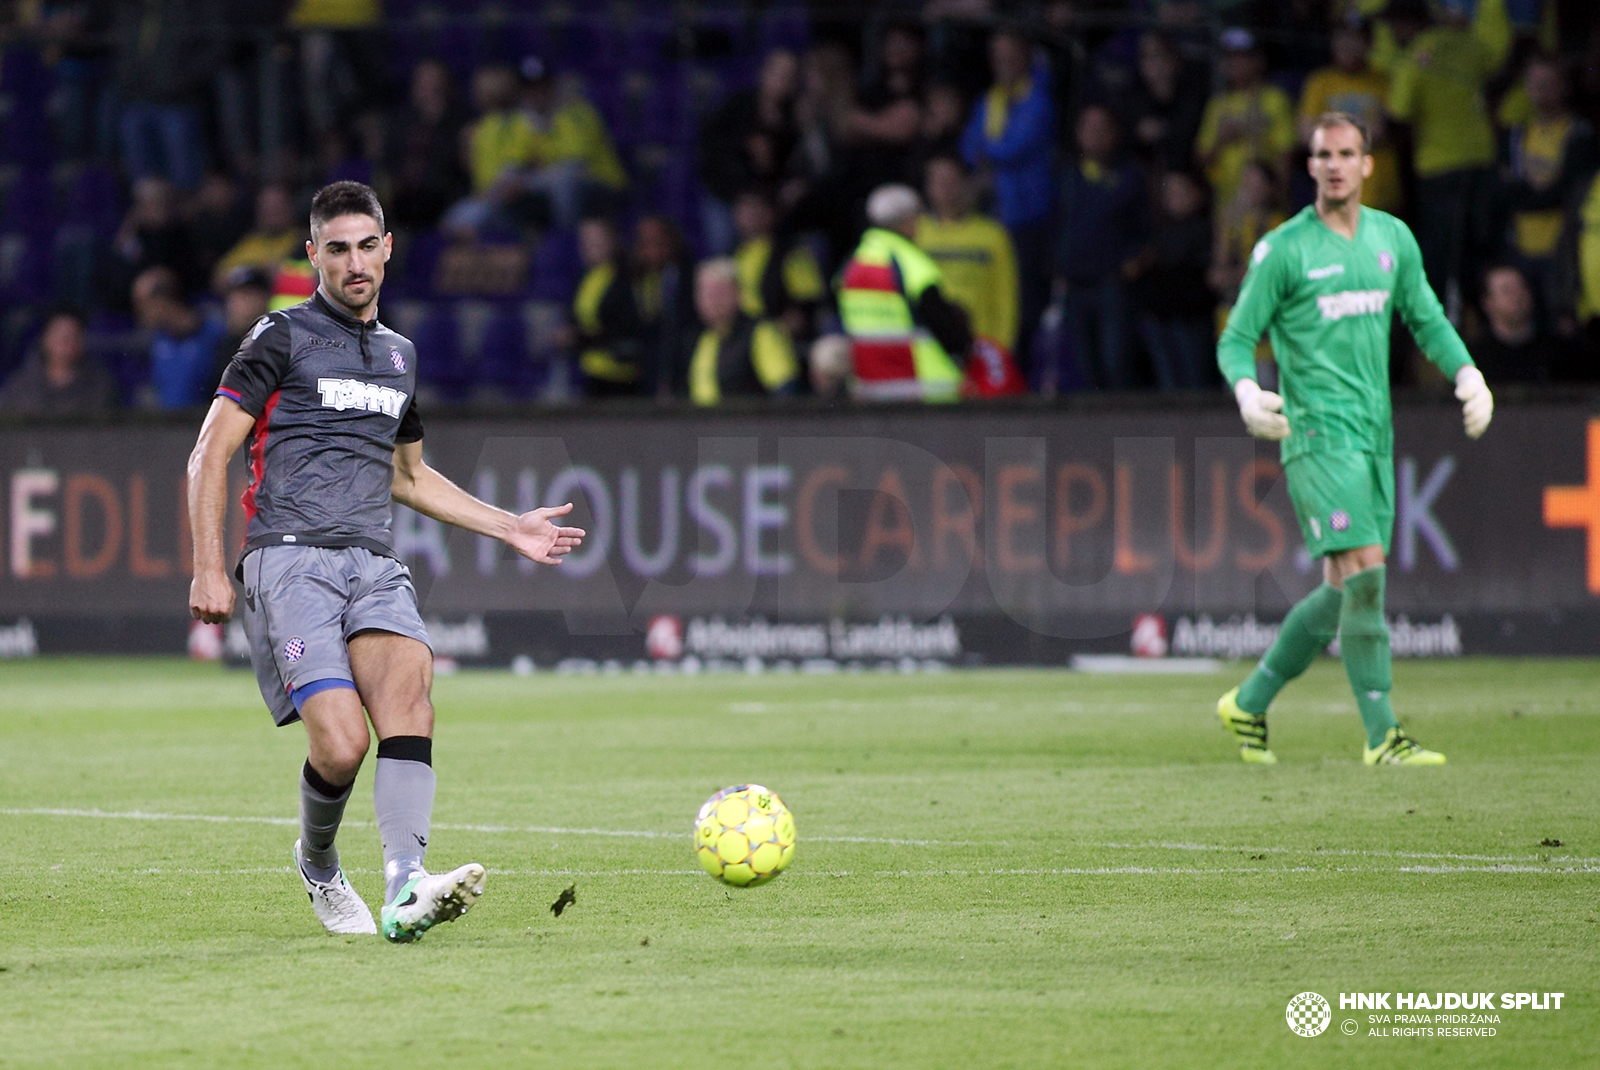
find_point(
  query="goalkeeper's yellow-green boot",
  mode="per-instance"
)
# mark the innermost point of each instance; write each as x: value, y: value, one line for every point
x: 1250, y: 729
x: 1398, y: 748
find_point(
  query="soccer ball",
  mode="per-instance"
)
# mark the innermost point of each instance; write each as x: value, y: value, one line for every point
x: 744, y: 835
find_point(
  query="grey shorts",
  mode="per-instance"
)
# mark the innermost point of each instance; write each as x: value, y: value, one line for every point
x: 303, y: 603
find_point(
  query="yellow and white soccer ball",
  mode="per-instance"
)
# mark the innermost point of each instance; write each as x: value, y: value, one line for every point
x: 744, y: 835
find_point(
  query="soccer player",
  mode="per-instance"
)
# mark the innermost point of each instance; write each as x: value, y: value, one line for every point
x: 326, y: 394
x: 1321, y: 285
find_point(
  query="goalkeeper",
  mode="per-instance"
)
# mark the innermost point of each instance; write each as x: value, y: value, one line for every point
x: 1321, y: 286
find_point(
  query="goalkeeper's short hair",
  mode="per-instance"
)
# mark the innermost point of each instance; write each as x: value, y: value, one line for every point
x: 1330, y: 119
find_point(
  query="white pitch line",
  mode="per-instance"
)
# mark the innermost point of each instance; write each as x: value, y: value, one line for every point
x: 1351, y: 852
x: 1061, y: 871
x: 548, y: 830
x: 1499, y: 863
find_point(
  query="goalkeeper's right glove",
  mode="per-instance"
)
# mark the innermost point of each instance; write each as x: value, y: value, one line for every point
x: 1262, y: 410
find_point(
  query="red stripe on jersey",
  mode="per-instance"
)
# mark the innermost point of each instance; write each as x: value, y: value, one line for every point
x: 859, y: 276
x: 258, y: 458
x: 878, y: 361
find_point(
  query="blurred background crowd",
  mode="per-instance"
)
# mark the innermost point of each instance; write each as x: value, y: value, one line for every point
x: 628, y: 199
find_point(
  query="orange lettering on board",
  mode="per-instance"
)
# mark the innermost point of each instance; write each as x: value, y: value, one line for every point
x: 804, y: 513
x: 1579, y: 507
x: 962, y: 523
x: 1069, y: 523
x: 1200, y: 560
x: 1253, y: 472
x: 1010, y: 513
x: 140, y: 563
x: 889, y: 502
x: 1128, y: 560
x: 185, y: 532
x: 80, y: 486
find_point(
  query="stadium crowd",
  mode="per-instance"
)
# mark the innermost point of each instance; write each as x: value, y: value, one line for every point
x: 622, y: 202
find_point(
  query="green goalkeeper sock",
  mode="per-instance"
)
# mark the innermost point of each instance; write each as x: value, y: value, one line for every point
x: 1306, y: 632
x: 1364, y: 646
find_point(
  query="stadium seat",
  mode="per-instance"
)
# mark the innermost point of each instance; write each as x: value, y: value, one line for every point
x: 556, y: 267
x: 439, y: 360
x: 503, y: 353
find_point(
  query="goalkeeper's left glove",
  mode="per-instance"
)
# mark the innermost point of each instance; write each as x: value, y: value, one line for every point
x: 1477, y: 404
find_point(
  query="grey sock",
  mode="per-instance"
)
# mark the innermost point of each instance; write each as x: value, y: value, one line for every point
x: 321, y: 810
x: 402, y: 794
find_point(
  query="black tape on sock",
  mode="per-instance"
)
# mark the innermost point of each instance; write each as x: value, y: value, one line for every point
x: 321, y: 786
x: 407, y: 749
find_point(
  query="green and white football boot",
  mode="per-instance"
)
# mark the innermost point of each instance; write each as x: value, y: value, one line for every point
x: 429, y: 899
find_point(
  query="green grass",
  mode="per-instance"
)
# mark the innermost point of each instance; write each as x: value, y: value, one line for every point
x: 1097, y: 882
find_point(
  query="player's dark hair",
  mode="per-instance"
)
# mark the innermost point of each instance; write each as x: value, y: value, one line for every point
x: 1330, y: 119
x: 345, y: 198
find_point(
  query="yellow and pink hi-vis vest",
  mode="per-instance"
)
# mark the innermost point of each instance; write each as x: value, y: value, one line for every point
x: 895, y: 358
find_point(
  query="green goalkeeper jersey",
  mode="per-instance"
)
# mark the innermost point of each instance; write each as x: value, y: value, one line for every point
x: 1325, y: 301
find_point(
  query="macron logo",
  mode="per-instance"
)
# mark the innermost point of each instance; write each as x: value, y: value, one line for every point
x: 1353, y: 303
x: 342, y: 394
x: 1325, y: 272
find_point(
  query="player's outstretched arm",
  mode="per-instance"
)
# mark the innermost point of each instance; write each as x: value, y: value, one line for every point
x: 224, y: 431
x: 535, y: 534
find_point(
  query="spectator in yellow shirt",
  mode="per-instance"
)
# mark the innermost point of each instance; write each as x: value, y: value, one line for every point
x: 607, y: 334
x: 1577, y: 276
x: 1251, y: 120
x: 276, y: 236
x: 779, y: 278
x: 738, y: 355
x: 574, y: 163
x: 493, y: 149
x: 1543, y: 159
x: 1242, y: 222
x: 1352, y: 86
x: 1438, y: 87
x: 973, y: 252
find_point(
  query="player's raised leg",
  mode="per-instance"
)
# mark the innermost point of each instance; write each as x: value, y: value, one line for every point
x: 1306, y: 632
x: 1364, y: 649
x: 336, y: 732
x: 394, y: 674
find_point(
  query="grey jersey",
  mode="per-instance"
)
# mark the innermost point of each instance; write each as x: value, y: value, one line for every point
x: 331, y: 396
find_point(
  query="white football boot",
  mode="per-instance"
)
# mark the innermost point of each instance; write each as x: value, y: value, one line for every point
x: 430, y: 898
x: 341, y: 911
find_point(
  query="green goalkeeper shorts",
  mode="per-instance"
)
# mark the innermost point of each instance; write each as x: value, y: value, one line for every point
x: 1342, y: 500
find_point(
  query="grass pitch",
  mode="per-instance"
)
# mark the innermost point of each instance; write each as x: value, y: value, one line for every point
x: 996, y: 869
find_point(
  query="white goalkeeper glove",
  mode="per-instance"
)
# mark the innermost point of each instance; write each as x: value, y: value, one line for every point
x: 1477, y: 404
x: 1262, y: 411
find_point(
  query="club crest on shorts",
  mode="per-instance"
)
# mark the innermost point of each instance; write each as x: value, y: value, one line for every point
x: 294, y: 649
x: 1386, y: 261
x: 1339, y: 520
x: 397, y: 359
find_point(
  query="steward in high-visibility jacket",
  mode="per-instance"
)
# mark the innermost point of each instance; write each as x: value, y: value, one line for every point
x: 909, y: 342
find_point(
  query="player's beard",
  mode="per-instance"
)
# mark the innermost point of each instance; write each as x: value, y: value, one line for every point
x: 352, y: 302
